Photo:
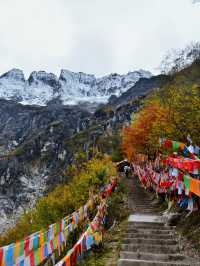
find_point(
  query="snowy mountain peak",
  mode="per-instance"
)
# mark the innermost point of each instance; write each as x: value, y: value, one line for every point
x: 81, y: 77
x: 14, y: 74
x: 43, y: 78
x: 72, y: 88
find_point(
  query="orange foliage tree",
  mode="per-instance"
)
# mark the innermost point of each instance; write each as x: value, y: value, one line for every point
x: 143, y: 134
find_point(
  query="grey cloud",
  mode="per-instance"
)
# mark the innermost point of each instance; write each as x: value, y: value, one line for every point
x: 196, y: 1
x: 95, y: 36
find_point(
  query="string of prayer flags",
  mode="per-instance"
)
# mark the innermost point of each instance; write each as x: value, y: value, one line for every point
x: 189, y: 165
x: 92, y: 236
x: 176, y: 146
x: 85, y: 243
x: 161, y: 182
x: 41, y: 244
x: 176, y: 176
x: 34, y: 249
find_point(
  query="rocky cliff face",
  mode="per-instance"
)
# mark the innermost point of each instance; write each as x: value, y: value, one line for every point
x: 37, y: 144
x: 33, y: 151
x: 70, y: 87
x: 141, y: 88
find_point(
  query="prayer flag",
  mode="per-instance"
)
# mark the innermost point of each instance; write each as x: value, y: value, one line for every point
x: 32, y: 260
x: 36, y: 241
x: 37, y: 256
x: 175, y: 145
x: 9, y: 255
x: 16, y: 250
x: 67, y: 261
x: 21, y: 250
x: 195, y: 186
x: 167, y: 143
x: 1, y: 256
x: 26, y: 246
x: 186, y: 181
x: 41, y: 238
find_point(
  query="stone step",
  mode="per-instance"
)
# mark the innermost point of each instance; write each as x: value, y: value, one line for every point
x: 135, y: 262
x: 149, y: 236
x: 149, y: 231
x: 151, y: 256
x: 149, y: 227
x: 144, y: 202
x: 144, y: 208
x: 142, y: 212
x: 145, y: 205
x: 152, y: 248
x: 139, y: 201
x: 138, y: 197
x: 139, y: 192
x: 149, y: 241
x: 148, y: 224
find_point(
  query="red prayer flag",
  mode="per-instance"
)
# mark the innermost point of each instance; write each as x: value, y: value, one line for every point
x: 168, y: 144
x: 32, y: 261
x: 51, y: 245
x: 1, y: 256
x: 26, y: 246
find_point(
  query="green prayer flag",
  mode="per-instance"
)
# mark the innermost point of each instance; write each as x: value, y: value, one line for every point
x: 37, y: 256
x: 21, y: 249
x: 44, y: 235
x: 57, y: 228
x: 175, y: 145
x: 186, y: 181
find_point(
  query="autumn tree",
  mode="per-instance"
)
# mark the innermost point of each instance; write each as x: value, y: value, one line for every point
x: 143, y: 134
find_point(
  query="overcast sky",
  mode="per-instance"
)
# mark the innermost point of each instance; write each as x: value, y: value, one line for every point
x: 94, y: 36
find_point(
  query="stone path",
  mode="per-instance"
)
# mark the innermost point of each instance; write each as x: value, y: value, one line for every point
x: 147, y: 240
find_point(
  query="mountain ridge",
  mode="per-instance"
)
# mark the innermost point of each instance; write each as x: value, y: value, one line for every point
x: 70, y: 87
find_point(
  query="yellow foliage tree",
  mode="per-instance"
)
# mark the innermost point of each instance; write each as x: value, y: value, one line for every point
x: 64, y: 199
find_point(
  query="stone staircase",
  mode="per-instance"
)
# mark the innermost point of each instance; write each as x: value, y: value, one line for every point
x: 147, y: 240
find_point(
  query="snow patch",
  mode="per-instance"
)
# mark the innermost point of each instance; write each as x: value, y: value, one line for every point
x: 72, y: 88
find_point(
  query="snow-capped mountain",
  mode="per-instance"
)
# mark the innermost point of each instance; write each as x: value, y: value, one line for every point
x: 70, y: 87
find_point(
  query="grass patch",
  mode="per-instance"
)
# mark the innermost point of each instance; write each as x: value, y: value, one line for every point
x: 189, y: 227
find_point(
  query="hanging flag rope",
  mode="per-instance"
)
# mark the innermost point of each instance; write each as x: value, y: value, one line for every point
x: 175, y: 176
x: 91, y: 237
x: 34, y: 249
x: 179, y: 146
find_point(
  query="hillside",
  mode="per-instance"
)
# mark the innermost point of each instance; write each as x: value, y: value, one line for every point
x: 39, y: 144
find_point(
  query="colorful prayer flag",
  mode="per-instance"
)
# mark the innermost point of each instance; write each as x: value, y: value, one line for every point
x: 186, y: 181
x: 195, y: 186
